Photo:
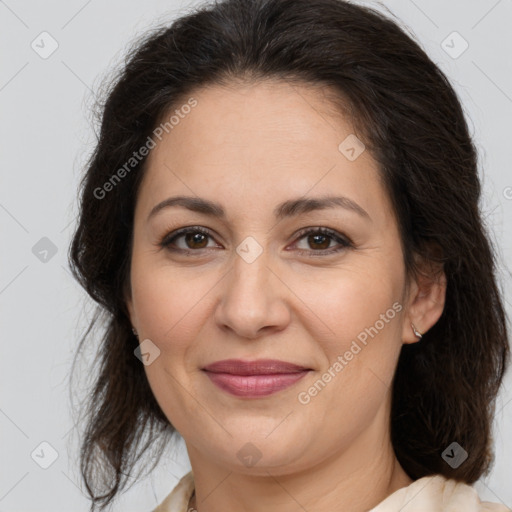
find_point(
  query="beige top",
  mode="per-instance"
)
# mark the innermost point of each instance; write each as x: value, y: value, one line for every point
x: 428, y: 494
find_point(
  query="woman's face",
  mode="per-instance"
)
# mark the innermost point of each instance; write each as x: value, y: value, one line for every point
x: 256, y: 287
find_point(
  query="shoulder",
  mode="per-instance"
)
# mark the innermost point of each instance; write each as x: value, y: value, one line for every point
x: 429, y: 494
x: 177, y: 500
x: 437, y: 494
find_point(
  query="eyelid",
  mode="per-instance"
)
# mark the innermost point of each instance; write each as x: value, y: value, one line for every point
x: 344, y: 241
x: 166, y: 241
x: 333, y: 233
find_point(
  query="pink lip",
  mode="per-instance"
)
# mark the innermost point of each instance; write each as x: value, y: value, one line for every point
x: 254, y: 378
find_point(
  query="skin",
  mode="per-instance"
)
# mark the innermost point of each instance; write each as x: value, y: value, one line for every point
x: 250, y: 147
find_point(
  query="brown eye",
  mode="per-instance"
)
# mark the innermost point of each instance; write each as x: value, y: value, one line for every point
x: 319, y: 240
x: 195, y: 239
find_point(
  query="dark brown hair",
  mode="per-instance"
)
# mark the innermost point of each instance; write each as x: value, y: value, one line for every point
x: 409, y: 117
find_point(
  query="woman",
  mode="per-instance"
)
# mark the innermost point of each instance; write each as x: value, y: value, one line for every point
x: 280, y: 221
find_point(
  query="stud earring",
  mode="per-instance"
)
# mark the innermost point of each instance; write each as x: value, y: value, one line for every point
x: 135, y: 332
x: 416, y: 332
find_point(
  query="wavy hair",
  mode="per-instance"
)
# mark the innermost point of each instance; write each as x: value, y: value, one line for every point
x: 405, y: 110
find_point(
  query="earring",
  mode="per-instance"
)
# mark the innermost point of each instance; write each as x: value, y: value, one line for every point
x: 416, y: 332
x: 135, y: 332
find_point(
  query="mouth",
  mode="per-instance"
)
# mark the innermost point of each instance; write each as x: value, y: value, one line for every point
x: 253, y: 379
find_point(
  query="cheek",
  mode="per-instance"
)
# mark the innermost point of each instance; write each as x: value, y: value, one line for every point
x: 359, y: 324
x: 167, y: 310
x: 345, y: 302
x: 357, y: 316
x: 164, y: 302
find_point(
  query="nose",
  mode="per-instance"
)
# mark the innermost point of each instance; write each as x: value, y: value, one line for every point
x: 253, y: 299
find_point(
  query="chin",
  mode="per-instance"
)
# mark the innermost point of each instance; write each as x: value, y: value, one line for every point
x: 257, y: 454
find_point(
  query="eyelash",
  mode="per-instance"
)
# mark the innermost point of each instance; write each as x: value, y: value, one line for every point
x: 344, y: 241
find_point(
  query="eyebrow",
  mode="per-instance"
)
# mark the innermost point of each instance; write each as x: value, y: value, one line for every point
x: 290, y: 208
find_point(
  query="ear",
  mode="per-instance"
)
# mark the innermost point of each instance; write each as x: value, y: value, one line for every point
x: 425, y: 301
x: 129, y: 306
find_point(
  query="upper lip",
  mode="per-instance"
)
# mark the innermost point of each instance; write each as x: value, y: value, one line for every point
x: 257, y: 367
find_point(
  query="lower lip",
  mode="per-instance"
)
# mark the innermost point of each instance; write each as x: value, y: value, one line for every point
x: 254, y: 385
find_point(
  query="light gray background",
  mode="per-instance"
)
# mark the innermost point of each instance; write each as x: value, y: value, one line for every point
x: 46, y: 137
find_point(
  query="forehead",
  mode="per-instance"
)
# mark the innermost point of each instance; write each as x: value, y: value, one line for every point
x: 258, y: 142
x: 242, y: 115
